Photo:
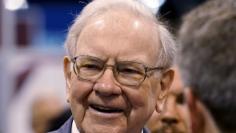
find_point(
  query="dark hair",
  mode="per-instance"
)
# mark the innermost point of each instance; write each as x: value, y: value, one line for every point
x: 207, y: 58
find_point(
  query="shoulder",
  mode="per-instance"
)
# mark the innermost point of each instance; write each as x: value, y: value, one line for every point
x: 145, y: 130
x: 54, y: 132
x: 65, y: 128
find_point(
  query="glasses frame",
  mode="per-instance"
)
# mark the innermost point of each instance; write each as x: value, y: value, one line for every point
x: 115, y: 72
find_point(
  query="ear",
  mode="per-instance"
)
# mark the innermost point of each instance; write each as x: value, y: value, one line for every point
x: 67, y: 75
x: 165, y: 83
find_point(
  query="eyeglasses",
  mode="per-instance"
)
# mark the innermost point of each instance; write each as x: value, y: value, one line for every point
x: 125, y: 72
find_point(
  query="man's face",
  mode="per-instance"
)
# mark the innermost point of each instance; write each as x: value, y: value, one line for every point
x: 106, y: 105
x: 175, y: 118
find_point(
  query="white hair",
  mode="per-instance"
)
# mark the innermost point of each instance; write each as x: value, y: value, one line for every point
x: 97, y: 7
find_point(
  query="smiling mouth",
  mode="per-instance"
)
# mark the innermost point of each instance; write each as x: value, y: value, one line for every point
x: 103, y: 109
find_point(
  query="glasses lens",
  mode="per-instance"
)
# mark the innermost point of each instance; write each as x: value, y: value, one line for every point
x: 88, y: 67
x: 126, y: 73
x: 130, y: 73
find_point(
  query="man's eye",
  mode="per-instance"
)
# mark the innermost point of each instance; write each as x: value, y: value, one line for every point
x: 90, y: 67
x: 180, y: 98
x: 129, y: 71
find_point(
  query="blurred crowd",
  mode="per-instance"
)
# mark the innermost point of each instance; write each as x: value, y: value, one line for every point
x: 200, y: 100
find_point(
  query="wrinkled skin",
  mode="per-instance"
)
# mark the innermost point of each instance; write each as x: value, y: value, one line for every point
x: 116, y: 36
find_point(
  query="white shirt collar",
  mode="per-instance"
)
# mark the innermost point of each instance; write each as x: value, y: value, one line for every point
x: 76, y: 130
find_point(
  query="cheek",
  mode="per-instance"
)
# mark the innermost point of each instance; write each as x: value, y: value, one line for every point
x: 150, y: 91
x: 156, y: 86
x: 79, y: 90
x: 142, y: 101
x: 154, y: 122
x: 140, y: 97
x: 184, y: 114
x: 78, y: 94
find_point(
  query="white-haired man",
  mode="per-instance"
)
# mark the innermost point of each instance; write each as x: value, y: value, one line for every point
x: 118, y: 68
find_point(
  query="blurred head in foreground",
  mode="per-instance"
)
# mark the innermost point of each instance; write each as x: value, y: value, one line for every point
x: 208, y: 63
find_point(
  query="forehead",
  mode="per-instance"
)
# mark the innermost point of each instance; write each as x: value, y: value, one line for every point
x: 121, y: 34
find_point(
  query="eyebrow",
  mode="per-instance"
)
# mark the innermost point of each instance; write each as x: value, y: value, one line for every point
x: 136, y: 60
x: 131, y: 60
x: 93, y: 56
x: 176, y: 93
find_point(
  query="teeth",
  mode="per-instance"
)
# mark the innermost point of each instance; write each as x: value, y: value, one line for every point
x: 106, y: 109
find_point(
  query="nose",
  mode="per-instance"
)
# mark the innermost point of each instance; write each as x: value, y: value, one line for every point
x: 169, y: 120
x: 106, y: 84
x: 170, y: 114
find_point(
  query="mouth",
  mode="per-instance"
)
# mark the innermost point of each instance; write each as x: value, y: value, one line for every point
x: 104, y: 109
x: 169, y: 130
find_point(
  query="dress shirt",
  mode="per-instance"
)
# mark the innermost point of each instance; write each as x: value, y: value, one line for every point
x: 75, y: 130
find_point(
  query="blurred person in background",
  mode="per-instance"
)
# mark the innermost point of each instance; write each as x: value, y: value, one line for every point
x: 43, y: 86
x: 207, y: 61
x: 118, y: 70
x: 175, y: 117
x: 59, y: 120
x: 44, y: 109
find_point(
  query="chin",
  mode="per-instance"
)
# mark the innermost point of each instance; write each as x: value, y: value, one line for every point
x: 103, y: 129
x: 169, y: 130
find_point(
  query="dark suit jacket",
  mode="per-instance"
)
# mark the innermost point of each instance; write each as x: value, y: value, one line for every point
x: 66, y: 128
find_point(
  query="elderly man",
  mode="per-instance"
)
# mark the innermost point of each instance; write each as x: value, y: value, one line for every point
x: 208, y: 65
x: 118, y: 69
